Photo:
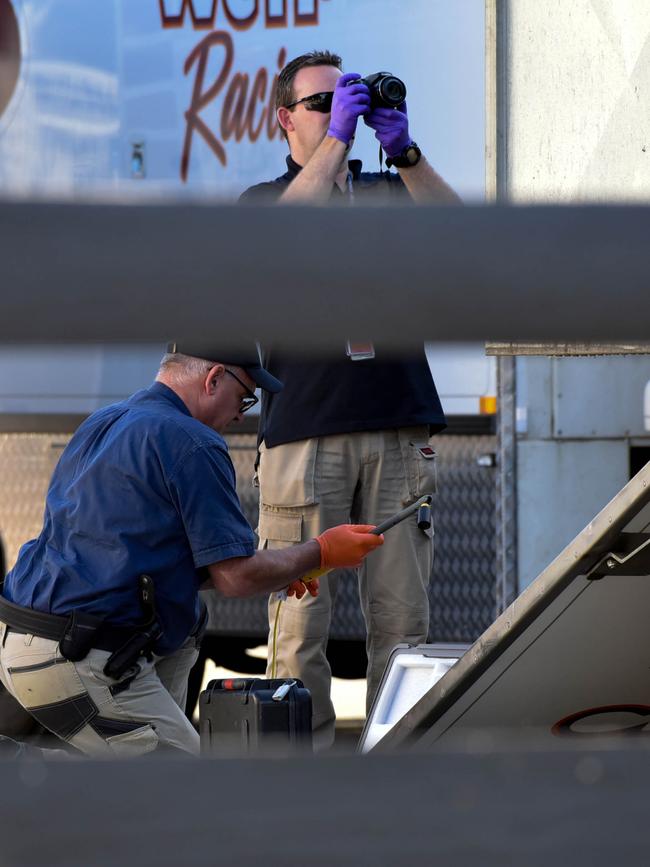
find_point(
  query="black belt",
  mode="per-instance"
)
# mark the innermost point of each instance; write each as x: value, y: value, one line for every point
x: 30, y: 622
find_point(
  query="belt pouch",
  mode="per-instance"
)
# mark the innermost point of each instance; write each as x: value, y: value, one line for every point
x: 78, y: 637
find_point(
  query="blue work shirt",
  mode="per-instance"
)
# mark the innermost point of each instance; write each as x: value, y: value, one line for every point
x: 142, y: 487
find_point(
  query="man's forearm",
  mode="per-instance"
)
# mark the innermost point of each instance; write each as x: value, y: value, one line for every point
x: 266, y: 570
x: 315, y: 181
x: 426, y: 186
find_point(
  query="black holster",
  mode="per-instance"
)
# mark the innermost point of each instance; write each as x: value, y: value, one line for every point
x: 141, y: 644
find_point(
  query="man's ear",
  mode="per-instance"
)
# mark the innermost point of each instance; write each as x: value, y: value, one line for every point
x: 211, y: 381
x: 285, y: 119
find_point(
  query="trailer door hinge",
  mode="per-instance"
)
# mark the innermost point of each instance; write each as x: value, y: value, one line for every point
x: 632, y: 557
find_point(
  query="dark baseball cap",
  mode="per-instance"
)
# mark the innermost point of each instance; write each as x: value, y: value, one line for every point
x: 249, y: 360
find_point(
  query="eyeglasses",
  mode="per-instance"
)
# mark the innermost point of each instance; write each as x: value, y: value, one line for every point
x: 251, y: 398
x: 316, y: 102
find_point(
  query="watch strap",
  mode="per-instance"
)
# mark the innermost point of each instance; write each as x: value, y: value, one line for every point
x: 405, y: 160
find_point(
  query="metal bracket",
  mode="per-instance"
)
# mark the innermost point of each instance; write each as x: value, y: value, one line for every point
x: 632, y: 557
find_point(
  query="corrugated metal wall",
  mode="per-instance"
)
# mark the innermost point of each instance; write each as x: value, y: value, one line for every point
x: 463, y: 579
x: 462, y: 590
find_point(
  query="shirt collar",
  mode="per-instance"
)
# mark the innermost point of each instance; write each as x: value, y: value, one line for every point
x: 159, y: 389
x: 293, y: 168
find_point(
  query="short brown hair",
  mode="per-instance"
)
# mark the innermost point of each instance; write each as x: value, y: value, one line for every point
x: 284, y: 93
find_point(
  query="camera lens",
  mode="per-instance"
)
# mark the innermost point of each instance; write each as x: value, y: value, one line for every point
x: 386, y: 89
x: 392, y: 91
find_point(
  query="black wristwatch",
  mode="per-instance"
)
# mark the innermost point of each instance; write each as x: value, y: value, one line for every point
x: 409, y: 157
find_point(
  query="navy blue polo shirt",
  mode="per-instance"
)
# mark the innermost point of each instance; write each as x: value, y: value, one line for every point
x: 334, y: 395
x: 142, y: 487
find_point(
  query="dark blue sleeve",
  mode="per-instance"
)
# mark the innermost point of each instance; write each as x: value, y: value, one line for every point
x: 269, y: 191
x: 203, y: 490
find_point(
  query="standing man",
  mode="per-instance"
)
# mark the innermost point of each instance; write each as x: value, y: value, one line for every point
x: 100, y: 617
x: 348, y: 438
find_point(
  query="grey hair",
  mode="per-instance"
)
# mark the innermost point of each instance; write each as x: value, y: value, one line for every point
x: 183, y: 368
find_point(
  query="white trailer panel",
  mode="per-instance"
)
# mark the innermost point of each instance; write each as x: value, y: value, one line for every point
x: 576, y: 78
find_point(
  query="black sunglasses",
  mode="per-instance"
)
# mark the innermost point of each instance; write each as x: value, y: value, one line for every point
x: 316, y: 102
x: 251, y: 398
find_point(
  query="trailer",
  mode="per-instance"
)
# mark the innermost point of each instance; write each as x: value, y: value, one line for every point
x: 173, y: 99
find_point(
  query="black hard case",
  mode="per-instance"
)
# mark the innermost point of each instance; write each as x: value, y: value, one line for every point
x: 244, y: 718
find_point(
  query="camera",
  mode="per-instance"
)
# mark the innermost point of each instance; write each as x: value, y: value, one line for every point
x: 386, y: 90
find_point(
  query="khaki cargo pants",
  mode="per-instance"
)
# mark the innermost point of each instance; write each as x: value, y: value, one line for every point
x: 310, y: 485
x: 98, y: 715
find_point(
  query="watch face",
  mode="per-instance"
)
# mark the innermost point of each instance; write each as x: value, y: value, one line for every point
x: 410, y: 156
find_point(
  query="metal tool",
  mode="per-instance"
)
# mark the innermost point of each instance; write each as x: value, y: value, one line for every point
x: 421, y: 506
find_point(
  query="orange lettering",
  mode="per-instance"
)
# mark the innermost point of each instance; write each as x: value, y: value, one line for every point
x: 232, y: 116
x: 201, y: 99
x: 305, y: 19
x: 258, y: 92
x: 206, y: 19
x: 277, y: 19
x: 241, y: 23
x: 199, y: 22
x: 240, y: 104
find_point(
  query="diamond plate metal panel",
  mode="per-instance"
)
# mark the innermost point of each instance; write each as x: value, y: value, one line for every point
x: 463, y: 581
x: 26, y: 464
x: 462, y: 591
x: 506, y: 483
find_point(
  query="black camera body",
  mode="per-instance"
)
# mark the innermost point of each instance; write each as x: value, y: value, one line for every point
x: 386, y: 89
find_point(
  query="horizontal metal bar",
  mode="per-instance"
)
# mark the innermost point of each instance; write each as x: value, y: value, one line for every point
x: 307, y: 277
x: 48, y: 423
x: 62, y: 423
x: 571, y: 349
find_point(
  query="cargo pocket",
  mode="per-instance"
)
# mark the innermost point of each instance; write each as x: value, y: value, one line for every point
x: 50, y: 680
x: 127, y: 745
x: 54, y: 695
x: 279, y: 529
x: 419, y: 459
x: 286, y: 474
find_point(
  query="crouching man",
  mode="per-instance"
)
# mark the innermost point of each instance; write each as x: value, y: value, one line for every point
x: 100, y: 618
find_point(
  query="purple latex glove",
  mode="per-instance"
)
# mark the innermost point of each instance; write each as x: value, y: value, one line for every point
x: 349, y: 102
x: 391, y: 126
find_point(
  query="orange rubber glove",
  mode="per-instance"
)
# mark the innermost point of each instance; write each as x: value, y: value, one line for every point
x: 303, y: 585
x: 344, y: 546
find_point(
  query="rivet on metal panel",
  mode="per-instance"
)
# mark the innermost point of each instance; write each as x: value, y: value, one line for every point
x: 611, y: 564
